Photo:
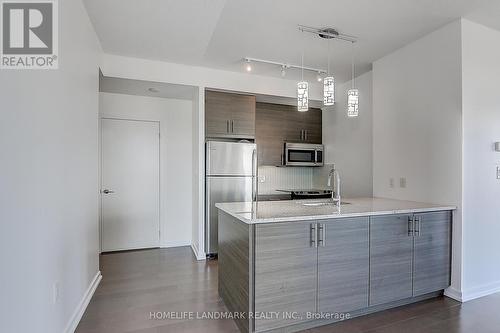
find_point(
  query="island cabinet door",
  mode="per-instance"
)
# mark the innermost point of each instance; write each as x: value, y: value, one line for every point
x: 343, y: 265
x: 285, y: 273
x: 432, y: 252
x: 391, y: 254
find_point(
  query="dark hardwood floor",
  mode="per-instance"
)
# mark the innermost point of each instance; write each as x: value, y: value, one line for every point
x: 171, y: 280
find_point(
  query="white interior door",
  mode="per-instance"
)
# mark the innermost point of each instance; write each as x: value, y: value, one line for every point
x: 130, y: 184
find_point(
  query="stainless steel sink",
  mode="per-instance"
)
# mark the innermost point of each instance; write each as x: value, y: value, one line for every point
x: 318, y: 204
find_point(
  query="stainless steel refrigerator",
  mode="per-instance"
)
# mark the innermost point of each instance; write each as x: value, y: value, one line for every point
x: 230, y: 171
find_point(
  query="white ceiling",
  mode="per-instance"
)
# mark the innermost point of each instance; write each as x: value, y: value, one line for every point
x: 488, y: 15
x: 219, y: 33
x: 141, y: 88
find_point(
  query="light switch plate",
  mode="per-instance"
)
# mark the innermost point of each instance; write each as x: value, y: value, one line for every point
x: 56, y: 292
x: 391, y: 182
x: 402, y: 182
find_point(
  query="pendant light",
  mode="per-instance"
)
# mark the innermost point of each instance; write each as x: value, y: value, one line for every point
x: 353, y: 93
x: 302, y: 92
x: 328, y: 85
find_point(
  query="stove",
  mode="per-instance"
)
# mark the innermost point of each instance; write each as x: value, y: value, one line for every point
x: 309, y: 193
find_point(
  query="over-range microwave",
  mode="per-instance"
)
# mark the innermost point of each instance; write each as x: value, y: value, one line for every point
x: 303, y: 154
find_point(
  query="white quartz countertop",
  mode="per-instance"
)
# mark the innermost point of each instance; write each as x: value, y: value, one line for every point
x: 315, y: 209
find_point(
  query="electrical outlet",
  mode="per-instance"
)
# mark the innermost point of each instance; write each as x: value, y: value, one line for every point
x: 402, y: 182
x: 498, y: 171
x: 391, y: 182
x: 56, y: 293
x: 262, y: 179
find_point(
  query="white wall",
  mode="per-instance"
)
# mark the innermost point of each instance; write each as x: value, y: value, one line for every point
x: 481, y: 189
x: 198, y: 174
x: 49, y: 182
x: 175, y: 117
x: 348, y: 141
x: 417, y: 125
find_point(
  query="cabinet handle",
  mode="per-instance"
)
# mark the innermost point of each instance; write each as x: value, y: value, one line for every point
x: 410, y: 226
x: 322, y: 234
x: 305, y: 135
x: 314, y: 235
x: 232, y: 126
x: 227, y: 126
x: 417, y: 226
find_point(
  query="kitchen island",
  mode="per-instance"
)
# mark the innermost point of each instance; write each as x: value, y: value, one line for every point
x: 293, y: 265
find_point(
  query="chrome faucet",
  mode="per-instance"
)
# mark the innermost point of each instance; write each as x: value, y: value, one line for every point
x: 336, y: 187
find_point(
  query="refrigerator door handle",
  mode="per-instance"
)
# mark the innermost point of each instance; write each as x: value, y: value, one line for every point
x: 254, y: 176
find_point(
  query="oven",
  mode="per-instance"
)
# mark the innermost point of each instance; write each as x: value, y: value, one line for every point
x: 303, y: 154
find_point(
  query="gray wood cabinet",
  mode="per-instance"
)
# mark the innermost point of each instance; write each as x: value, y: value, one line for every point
x: 285, y: 272
x: 311, y: 267
x: 391, y: 254
x: 348, y: 265
x: 229, y: 115
x: 432, y: 252
x: 410, y: 255
x: 343, y: 265
x: 276, y: 124
x: 234, y: 268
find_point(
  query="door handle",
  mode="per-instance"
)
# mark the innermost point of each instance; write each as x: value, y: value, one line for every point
x: 314, y: 235
x: 106, y: 191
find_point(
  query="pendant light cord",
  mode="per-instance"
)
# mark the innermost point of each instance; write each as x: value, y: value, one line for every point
x: 302, y: 61
x: 329, y: 44
x: 302, y: 65
x: 352, y: 65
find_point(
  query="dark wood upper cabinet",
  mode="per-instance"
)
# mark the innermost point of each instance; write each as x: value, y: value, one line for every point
x: 276, y: 124
x: 229, y: 115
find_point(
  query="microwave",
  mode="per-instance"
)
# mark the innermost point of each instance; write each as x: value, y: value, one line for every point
x: 303, y: 154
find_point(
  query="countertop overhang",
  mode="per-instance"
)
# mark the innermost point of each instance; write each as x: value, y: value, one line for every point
x: 299, y: 210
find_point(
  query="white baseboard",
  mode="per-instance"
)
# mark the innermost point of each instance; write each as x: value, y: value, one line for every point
x: 473, y: 293
x: 453, y: 293
x: 82, y: 306
x: 168, y: 244
x: 481, y: 291
x: 199, y: 255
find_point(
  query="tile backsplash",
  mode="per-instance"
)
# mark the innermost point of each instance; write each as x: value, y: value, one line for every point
x: 273, y: 178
